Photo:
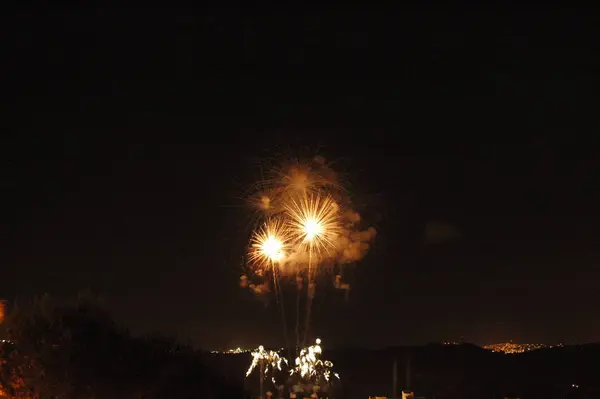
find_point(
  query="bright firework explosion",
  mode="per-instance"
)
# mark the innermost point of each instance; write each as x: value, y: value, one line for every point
x: 269, y: 244
x: 307, y: 227
x: 315, y: 223
x: 310, y: 366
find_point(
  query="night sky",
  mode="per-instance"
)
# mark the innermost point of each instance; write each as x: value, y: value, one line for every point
x: 469, y: 139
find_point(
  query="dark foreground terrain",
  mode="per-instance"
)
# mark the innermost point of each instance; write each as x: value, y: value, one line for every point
x: 76, y: 351
x: 451, y: 371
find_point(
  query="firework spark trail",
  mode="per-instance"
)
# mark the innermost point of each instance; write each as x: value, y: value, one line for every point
x: 298, y: 320
x: 309, y: 295
x: 283, y: 318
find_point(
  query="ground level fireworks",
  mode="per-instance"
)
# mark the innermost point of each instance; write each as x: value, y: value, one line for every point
x: 308, y: 373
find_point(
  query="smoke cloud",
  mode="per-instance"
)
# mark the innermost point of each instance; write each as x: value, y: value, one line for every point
x: 304, y: 189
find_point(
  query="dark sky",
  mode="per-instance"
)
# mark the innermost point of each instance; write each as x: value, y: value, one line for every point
x: 469, y: 139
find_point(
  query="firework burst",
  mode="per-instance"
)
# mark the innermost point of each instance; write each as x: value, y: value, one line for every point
x: 307, y: 227
x: 315, y: 223
x: 270, y: 244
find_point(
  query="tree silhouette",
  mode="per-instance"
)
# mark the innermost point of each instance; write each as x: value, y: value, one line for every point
x: 78, y: 351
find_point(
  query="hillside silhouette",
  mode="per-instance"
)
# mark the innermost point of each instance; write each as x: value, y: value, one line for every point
x: 452, y: 371
x: 78, y: 351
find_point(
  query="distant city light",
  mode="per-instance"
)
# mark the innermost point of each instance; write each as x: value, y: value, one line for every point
x: 511, y: 347
x: 232, y: 351
x: 236, y: 351
x: 504, y: 347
